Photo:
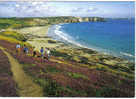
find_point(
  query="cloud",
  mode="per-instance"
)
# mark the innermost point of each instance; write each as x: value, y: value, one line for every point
x: 90, y: 9
x: 37, y: 3
x: 17, y: 5
x: 84, y: 11
x: 34, y: 9
x: 76, y: 9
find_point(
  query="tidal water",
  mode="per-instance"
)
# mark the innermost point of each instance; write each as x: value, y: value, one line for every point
x: 115, y: 36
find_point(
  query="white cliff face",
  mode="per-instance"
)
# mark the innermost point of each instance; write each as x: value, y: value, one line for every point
x: 80, y: 20
x: 87, y: 19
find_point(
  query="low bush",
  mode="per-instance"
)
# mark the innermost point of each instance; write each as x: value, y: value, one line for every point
x: 50, y: 88
x: 77, y: 75
x: 52, y: 69
x: 13, y: 34
x: 51, y: 41
x: 61, y: 54
x: 84, y: 60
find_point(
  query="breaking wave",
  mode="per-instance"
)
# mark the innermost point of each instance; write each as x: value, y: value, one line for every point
x: 57, y: 33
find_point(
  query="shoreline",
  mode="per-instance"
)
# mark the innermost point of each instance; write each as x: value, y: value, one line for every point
x: 54, y: 35
x: 37, y: 37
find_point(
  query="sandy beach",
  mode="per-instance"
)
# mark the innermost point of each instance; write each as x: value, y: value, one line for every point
x: 37, y: 37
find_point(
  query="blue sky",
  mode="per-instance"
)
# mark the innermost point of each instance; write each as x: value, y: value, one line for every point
x: 81, y: 9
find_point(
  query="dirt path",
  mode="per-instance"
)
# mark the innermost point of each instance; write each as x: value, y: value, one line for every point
x: 27, y: 88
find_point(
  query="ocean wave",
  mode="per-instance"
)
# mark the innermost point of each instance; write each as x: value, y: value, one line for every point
x: 56, y: 32
x: 60, y: 33
x: 127, y: 54
x: 65, y: 36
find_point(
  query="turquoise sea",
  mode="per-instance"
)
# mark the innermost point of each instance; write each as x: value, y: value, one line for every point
x: 115, y: 36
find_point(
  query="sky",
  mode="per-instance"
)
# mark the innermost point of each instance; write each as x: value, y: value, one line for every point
x: 106, y: 9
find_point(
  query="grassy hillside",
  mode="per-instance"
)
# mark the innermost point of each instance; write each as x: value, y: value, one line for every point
x: 68, y: 73
x: 7, y: 83
x: 29, y: 22
x: 59, y: 77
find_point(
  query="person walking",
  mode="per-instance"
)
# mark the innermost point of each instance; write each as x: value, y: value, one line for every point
x: 48, y: 53
x: 45, y: 53
x: 25, y: 49
x: 34, y: 53
x: 18, y: 48
x: 41, y: 51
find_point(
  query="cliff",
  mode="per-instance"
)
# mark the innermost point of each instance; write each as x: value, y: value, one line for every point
x: 29, y: 22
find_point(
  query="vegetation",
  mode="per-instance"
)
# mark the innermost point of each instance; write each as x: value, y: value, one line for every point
x: 61, y: 54
x: 84, y: 60
x: 18, y: 23
x: 13, y: 34
x: 72, y: 79
x: 62, y: 75
x: 51, y: 41
x: 7, y: 84
x: 13, y: 37
x: 77, y: 75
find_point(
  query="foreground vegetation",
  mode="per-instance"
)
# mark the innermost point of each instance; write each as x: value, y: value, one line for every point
x: 70, y: 72
x: 7, y: 84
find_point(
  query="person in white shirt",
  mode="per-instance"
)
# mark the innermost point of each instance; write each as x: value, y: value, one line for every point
x: 48, y: 53
x: 18, y: 48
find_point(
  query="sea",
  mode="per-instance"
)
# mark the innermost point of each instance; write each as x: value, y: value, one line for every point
x: 115, y: 36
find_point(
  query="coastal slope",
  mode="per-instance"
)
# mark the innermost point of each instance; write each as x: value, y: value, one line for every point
x: 71, y: 71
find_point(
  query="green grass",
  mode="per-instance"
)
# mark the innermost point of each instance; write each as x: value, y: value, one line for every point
x: 52, y: 69
x: 83, y: 60
x: 4, y: 25
x: 101, y: 69
x: 33, y: 64
x: 27, y: 66
x: 13, y: 37
x: 51, y: 41
x: 52, y: 89
x: 89, y: 51
x: 61, y: 54
x: 13, y: 34
x: 77, y: 75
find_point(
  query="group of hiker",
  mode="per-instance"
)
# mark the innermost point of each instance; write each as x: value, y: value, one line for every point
x: 45, y: 53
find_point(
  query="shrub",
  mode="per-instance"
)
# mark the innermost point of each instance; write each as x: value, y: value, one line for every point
x: 131, y: 66
x: 61, y: 54
x: 77, y: 75
x: 51, y: 41
x: 89, y: 51
x: 4, y: 25
x: 83, y: 60
x: 14, y: 34
x: 50, y: 88
x: 52, y: 69
x: 101, y: 69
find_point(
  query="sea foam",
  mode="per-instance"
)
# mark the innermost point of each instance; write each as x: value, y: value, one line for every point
x: 58, y: 32
x: 127, y: 54
x: 65, y: 36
